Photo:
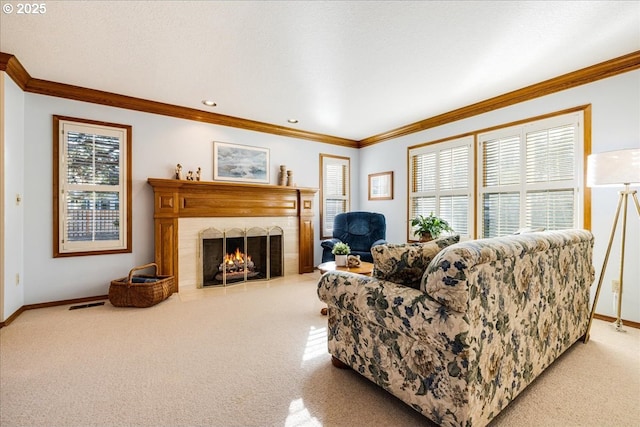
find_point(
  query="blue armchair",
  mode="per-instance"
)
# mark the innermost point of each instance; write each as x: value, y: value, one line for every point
x: 360, y: 230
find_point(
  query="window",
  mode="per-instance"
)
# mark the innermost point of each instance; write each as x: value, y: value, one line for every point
x: 334, y: 192
x: 92, y: 187
x: 530, y: 176
x: 527, y: 174
x: 441, y: 181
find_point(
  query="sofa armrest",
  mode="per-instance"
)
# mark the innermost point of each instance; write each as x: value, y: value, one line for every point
x: 395, y: 307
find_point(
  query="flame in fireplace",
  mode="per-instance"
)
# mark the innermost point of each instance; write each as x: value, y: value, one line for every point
x: 236, y: 258
x: 236, y: 266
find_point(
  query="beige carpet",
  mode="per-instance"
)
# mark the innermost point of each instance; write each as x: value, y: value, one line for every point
x: 255, y: 355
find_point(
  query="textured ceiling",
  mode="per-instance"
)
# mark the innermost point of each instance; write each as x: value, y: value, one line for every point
x: 351, y: 69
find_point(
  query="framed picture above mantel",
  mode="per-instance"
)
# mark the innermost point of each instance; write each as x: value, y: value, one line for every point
x: 241, y: 163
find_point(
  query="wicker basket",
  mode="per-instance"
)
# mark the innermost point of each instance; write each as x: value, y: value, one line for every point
x: 141, y: 290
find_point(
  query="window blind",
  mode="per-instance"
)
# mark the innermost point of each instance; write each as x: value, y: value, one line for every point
x: 500, y: 214
x: 424, y: 172
x: 92, y: 216
x: 92, y: 209
x: 93, y: 159
x: 455, y: 209
x: 335, y: 190
x: 441, y: 183
x: 530, y: 176
x: 553, y: 209
x: 501, y: 161
x: 550, y: 155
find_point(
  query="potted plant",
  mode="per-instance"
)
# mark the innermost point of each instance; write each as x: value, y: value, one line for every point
x: 429, y: 227
x: 341, y: 250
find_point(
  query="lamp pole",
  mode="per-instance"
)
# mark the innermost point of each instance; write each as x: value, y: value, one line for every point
x: 622, y: 202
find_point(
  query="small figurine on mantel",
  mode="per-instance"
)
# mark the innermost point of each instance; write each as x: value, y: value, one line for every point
x: 198, y: 173
x: 178, y: 171
x: 190, y: 176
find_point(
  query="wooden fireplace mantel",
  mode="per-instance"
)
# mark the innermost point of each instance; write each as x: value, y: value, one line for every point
x: 174, y: 199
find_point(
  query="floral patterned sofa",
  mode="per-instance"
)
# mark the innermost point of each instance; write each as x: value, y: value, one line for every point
x: 458, y: 330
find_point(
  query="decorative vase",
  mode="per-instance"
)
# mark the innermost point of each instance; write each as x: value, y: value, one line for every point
x: 289, y: 178
x: 341, y: 260
x: 283, y: 175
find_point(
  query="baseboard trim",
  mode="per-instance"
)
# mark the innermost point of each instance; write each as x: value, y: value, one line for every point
x: 24, y: 308
x: 628, y: 323
x: 13, y: 317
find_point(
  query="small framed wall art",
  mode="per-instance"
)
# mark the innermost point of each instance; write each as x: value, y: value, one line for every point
x: 381, y: 186
x: 234, y: 162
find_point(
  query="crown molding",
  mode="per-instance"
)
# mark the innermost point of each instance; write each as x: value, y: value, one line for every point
x: 16, y: 71
x: 586, y: 75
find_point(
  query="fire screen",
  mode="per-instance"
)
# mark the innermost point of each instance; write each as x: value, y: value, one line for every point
x: 240, y: 255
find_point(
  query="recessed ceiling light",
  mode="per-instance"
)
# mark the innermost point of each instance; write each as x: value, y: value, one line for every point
x: 293, y: 120
x: 209, y: 103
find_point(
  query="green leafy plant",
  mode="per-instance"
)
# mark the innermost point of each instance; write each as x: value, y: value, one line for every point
x: 341, y: 248
x: 429, y: 227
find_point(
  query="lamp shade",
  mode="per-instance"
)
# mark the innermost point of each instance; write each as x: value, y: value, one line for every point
x: 614, y: 168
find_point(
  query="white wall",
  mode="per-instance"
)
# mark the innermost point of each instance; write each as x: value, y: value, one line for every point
x: 13, y: 182
x: 615, y: 124
x: 158, y: 144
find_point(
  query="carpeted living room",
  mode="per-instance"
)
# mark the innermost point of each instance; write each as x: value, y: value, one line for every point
x: 256, y: 355
x: 176, y: 175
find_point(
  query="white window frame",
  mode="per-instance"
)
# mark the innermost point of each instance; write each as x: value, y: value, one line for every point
x: 327, y: 193
x: 439, y: 191
x: 62, y: 245
x: 522, y: 187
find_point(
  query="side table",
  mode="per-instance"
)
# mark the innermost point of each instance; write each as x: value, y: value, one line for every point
x: 364, y: 269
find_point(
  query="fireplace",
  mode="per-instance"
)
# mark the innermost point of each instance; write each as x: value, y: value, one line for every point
x: 184, y: 208
x: 239, y: 255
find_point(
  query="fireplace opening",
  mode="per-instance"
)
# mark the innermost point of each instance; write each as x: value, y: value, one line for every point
x: 240, y: 255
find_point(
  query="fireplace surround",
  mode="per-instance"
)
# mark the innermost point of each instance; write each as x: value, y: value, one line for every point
x: 177, y: 200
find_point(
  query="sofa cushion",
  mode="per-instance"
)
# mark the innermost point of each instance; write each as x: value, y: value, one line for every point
x: 405, y: 263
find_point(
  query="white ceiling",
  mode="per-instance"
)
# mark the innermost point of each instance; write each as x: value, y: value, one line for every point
x: 351, y: 69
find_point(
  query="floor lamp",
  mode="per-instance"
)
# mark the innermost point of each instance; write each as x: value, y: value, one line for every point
x: 614, y: 168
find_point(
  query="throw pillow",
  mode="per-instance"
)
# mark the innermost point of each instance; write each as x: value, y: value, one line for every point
x: 405, y: 263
